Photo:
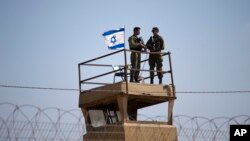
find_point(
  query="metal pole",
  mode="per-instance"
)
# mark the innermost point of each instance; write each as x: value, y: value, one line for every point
x: 101, y: 57
x: 79, y: 77
x: 171, y: 71
x: 84, y: 80
x: 125, y: 64
x: 171, y: 102
x: 126, y: 71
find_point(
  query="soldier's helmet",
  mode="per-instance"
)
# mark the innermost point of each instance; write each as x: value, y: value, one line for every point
x: 155, y: 29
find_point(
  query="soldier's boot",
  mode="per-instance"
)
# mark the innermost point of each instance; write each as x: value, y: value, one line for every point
x: 151, y: 80
x: 137, y: 80
x: 160, y: 80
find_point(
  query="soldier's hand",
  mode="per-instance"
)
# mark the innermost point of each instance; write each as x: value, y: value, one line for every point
x: 138, y: 44
x: 142, y: 45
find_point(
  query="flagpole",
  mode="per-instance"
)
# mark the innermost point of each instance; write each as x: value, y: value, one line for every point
x: 125, y: 63
x: 124, y: 37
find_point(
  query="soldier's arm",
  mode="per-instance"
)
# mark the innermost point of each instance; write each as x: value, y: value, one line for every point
x: 149, y: 44
x: 163, y: 44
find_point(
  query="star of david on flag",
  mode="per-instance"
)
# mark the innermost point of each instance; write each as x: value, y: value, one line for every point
x: 114, y: 39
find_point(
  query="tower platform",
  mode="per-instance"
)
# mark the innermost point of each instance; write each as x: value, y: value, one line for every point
x: 139, y: 95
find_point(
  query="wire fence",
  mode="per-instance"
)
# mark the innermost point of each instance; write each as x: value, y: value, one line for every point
x: 75, y: 89
x: 32, y: 123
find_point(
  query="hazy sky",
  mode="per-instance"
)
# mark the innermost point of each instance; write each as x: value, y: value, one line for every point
x: 41, y: 43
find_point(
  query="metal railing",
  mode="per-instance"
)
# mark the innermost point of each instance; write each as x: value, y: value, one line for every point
x: 125, y: 68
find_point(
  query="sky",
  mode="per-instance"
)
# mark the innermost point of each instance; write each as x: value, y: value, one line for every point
x: 41, y: 43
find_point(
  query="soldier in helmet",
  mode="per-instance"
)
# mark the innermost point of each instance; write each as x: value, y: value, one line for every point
x: 136, y: 45
x: 155, y: 44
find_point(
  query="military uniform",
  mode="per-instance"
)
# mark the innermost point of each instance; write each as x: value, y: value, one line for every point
x: 155, y: 44
x: 134, y: 44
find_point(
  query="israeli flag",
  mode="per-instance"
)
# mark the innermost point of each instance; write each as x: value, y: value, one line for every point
x: 114, y: 39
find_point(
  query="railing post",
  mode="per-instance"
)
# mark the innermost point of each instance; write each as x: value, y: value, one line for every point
x: 126, y: 70
x: 171, y: 102
x: 171, y: 71
x: 79, y: 77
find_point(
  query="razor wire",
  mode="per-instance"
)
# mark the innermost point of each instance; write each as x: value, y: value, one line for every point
x: 32, y: 123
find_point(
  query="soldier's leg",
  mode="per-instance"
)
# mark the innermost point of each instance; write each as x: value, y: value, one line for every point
x: 138, y: 66
x: 151, y: 67
x: 159, y: 68
x: 132, y: 72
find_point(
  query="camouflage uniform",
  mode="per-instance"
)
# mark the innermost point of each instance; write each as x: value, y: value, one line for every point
x: 155, y: 44
x: 135, y: 58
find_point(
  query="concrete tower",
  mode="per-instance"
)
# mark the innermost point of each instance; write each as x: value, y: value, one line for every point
x: 110, y: 110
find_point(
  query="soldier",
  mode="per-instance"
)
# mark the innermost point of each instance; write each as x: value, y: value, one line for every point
x: 155, y: 44
x: 136, y: 45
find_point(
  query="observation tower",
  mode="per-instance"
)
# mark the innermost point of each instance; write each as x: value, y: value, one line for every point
x: 110, y: 107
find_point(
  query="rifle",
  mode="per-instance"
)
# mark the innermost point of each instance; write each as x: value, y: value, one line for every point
x: 142, y: 42
x: 155, y: 45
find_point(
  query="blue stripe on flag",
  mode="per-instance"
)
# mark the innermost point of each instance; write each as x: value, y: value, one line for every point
x: 113, y: 31
x: 117, y: 46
